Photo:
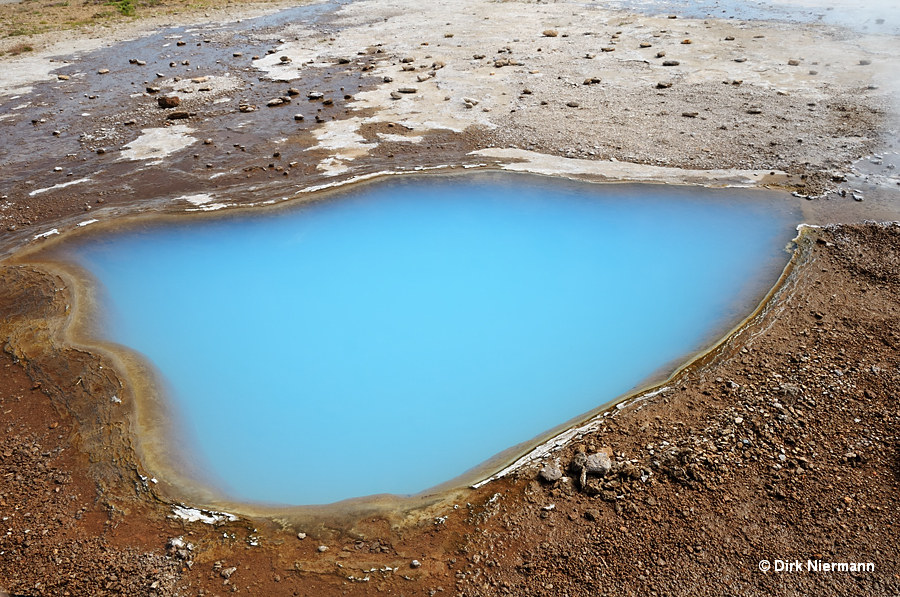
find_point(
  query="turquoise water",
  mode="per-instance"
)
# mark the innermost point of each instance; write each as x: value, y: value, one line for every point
x: 391, y: 340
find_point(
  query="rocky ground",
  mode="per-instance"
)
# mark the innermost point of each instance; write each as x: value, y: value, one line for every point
x: 324, y: 94
x: 778, y: 446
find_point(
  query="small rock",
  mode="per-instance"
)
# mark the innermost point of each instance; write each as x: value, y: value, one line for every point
x: 207, y: 141
x: 388, y: 79
x: 153, y: 89
x: 646, y: 44
x: 591, y: 81
x: 140, y: 62
x: 394, y: 95
x: 793, y: 63
x: 247, y: 108
x: 178, y: 115
x: 298, y: 117
x: 180, y: 43
x: 292, y: 91
x: 729, y: 38
x: 315, y: 95
x: 598, y: 464
x: 686, y: 41
x: 407, y: 90
x: 592, y: 515
x: 343, y: 60
x: 237, y: 54
x: 423, y: 78
x: 670, y: 63
x: 661, y: 54
x: 62, y: 77
x: 738, y: 420
x: 168, y: 101
x: 323, y: 548
x: 608, y: 49
x: 740, y: 60
x: 415, y: 564
x: 663, y: 85
x: 301, y: 536
x: 478, y: 57
x: 199, y: 79
x: 865, y: 62
x: 285, y: 59
x: 690, y: 114
x: 103, y: 71
x: 227, y: 572
x: 550, y: 473
x: 407, y: 60
x: 814, y: 72
x: 754, y: 110
x: 550, y: 33
x: 572, y: 104
x: 275, y: 102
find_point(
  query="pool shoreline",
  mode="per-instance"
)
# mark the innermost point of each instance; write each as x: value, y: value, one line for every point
x: 158, y: 454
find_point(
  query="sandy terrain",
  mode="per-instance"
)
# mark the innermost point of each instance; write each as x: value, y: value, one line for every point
x: 780, y: 445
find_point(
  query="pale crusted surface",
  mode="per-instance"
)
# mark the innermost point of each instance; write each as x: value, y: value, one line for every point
x: 761, y: 113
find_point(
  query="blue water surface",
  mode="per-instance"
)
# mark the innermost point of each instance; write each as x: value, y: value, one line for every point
x: 392, y: 339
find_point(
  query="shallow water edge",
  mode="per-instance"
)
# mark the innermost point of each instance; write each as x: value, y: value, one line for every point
x: 62, y: 312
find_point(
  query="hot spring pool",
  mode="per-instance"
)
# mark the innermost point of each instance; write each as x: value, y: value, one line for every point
x: 391, y: 339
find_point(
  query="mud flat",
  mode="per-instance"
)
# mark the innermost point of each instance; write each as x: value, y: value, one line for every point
x: 780, y: 445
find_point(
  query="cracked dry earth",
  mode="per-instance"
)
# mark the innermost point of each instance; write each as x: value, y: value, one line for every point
x: 780, y: 445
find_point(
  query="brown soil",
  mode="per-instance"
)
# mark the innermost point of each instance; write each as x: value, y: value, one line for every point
x: 780, y: 446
